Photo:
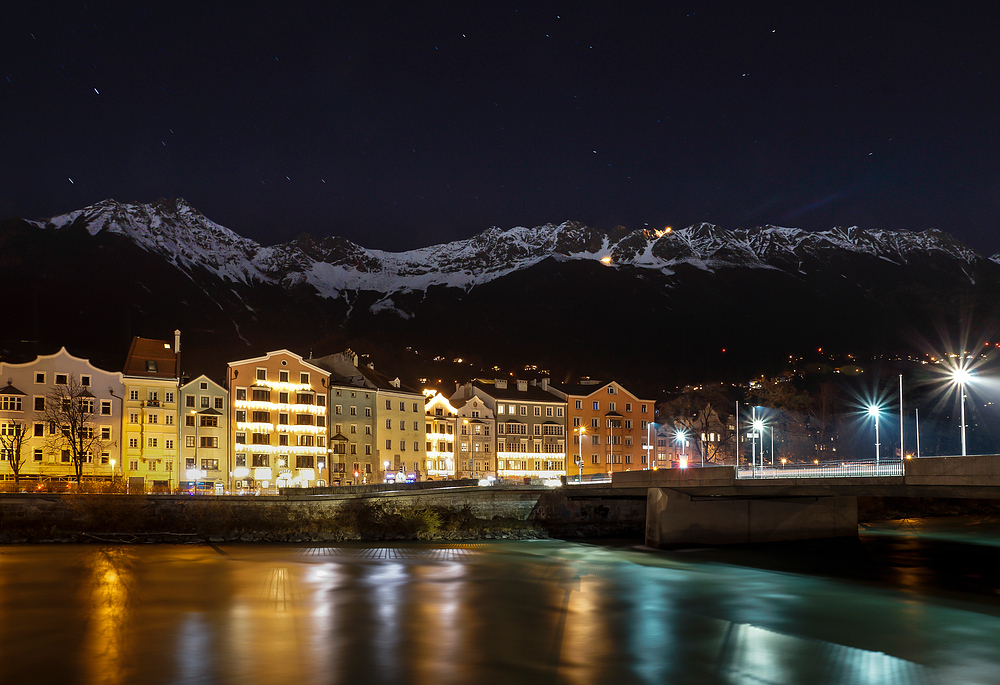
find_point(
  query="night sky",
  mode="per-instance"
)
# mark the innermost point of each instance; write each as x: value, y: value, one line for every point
x: 399, y: 125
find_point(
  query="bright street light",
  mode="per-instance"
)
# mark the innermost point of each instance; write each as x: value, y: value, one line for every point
x: 960, y: 377
x: 873, y: 411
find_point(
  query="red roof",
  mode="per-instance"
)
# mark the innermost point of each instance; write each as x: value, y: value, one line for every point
x: 151, y: 358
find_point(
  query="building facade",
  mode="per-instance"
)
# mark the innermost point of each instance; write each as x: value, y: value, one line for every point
x: 25, y: 402
x: 476, y: 441
x: 530, y: 427
x: 440, y: 418
x: 610, y: 427
x: 205, y: 457
x: 278, y: 422
x: 150, y: 453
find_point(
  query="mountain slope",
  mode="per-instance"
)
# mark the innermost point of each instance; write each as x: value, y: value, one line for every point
x: 565, y: 296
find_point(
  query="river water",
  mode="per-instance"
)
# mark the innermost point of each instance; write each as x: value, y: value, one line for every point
x: 909, y: 602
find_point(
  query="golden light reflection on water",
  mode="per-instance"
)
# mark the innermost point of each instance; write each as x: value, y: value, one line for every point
x: 439, y: 592
x: 586, y: 637
x: 110, y: 590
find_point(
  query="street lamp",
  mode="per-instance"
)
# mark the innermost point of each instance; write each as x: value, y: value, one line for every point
x: 582, y: 430
x: 680, y: 436
x: 960, y: 377
x: 873, y: 411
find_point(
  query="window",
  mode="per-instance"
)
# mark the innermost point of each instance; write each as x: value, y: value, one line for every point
x: 388, y: 444
x: 262, y: 374
x: 628, y: 406
x: 154, y: 396
x: 524, y: 410
x: 168, y: 419
x: 388, y: 423
x: 260, y: 438
x: 168, y: 444
x: 611, y: 390
x: 303, y: 461
x: 414, y: 406
x: 105, y: 407
x: 559, y: 411
x: 209, y: 421
x: 283, y: 376
x: 548, y: 411
x: 133, y: 395
x: 594, y: 423
x: 218, y: 403
x: 168, y: 396
x: 39, y: 430
x: 261, y: 417
x: 576, y: 421
x: 209, y: 464
x: 189, y: 441
x: 260, y: 460
x: 538, y: 411
x: 338, y: 409
x: 500, y: 409
x: 368, y: 411
x: 354, y: 411
x: 368, y: 430
x: 628, y: 423
x: 260, y: 395
x: 133, y: 464
x: 105, y: 432
x: 241, y: 394
x: 10, y: 403
x: 282, y: 398
x: 40, y: 377
x: 402, y: 445
x: 320, y: 400
x: 151, y: 442
x: 189, y: 420
x: 39, y: 404
x: 151, y: 466
x: 304, y: 398
x: 38, y: 454
x: 209, y: 441
x: 596, y: 406
x: 241, y: 438
x: 368, y: 452
x: 204, y: 401
x: 304, y: 378
x: 354, y: 448
x: 241, y: 460
x: 61, y: 379
x: 354, y: 428
x: 642, y: 408
x: 133, y: 443
x: 151, y: 418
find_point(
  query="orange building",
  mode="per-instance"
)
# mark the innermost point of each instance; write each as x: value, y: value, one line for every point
x: 278, y: 422
x: 611, y: 428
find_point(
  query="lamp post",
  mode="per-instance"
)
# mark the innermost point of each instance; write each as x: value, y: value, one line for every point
x: 873, y: 411
x: 758, y: 427
x: 582, y: 430
x: 961, y: 376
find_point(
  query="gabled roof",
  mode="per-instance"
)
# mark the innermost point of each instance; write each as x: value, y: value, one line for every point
x: 307, y: 362
x: 151, y: 358
x: 9, y: 389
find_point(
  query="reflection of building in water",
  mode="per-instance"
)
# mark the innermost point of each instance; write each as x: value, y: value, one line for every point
x: 112, y: 583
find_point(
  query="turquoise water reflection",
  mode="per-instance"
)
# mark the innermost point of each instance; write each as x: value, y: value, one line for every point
x: 523, y: 612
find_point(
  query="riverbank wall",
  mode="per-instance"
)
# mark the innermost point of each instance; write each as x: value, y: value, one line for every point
x: 464, y: 512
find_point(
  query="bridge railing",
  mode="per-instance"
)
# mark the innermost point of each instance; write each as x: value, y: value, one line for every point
x: 823, y: 470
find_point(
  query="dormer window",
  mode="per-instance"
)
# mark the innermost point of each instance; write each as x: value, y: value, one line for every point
x: 151, y: 366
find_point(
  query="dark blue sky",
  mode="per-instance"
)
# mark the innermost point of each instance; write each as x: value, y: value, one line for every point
x: 399, y: 125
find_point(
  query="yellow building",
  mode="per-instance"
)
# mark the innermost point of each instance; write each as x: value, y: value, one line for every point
x: 278, y: 422
x: 151, y: 378
x: 439, y: 428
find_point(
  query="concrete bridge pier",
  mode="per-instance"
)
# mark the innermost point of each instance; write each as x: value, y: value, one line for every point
x: 674, y: 518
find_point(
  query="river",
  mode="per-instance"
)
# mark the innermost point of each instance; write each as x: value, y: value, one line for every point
x: 916, y: 601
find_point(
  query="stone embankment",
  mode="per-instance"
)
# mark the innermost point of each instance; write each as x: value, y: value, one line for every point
x: 442, y: 513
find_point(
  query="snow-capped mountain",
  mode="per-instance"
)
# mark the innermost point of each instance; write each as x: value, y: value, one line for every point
x: 335, y: 266
x: 632, y: 304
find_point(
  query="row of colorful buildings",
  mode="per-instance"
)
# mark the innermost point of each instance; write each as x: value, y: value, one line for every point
x: 281, y: 420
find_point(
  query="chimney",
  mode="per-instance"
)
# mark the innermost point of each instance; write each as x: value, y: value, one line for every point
x: 177, y: 341
x: 545, y: 384
x: 522, y: 386
x: 500, y: 384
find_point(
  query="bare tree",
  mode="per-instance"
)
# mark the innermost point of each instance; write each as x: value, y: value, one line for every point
x: 700, y: 411
x: 12, y: 436
x: 71, y: 411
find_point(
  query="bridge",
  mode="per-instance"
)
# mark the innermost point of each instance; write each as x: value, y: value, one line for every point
x: 718, y: 505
